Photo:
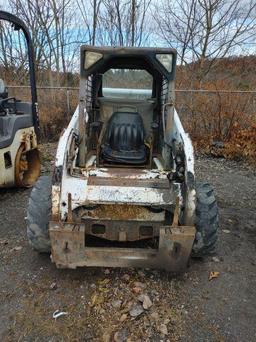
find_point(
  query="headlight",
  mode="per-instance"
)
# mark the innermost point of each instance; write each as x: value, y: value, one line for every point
x: 166, y: 60
x: 91, y: 58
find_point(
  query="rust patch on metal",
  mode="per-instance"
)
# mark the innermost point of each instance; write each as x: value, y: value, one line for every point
x: 27, y: 166
x: 124, y: 172
x: 121, y: 212
x: 132, y: 230
x: 175, y: 221
x: 55, y: 202
x: 119, y: 222
x: 69, y: 251
x: 70, y: 215
x: 119, y: 181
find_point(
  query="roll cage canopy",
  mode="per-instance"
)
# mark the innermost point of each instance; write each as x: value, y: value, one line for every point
x: 18, y: 24
x: 128, y: 58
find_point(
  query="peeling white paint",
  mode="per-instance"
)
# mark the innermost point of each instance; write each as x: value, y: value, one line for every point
x: 180, y: 135
x: 64, y: 142
x: 82, y: 193
x: 122, y: 173
x: 7, y: 175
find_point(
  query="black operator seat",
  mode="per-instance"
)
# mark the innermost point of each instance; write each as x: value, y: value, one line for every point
x: 123, y: 141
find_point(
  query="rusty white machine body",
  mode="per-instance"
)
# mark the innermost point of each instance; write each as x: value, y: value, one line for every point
x: 19, y: 126
x: 123, y: 191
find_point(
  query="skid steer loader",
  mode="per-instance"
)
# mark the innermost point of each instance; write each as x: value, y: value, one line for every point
x: 19, y: 125
x: 123, y: 191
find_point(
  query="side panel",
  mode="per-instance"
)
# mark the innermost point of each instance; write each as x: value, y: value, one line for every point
x: 180, y: 141
x: 8, y: 155
x: 64, y: 141
x: 60, y: 163
x: 190, y: 198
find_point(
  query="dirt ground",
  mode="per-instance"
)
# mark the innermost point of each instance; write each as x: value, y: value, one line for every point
x: 104, y: 304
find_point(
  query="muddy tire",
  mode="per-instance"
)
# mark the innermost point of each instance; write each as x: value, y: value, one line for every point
x: 38, y: 215
x: 207, y: 221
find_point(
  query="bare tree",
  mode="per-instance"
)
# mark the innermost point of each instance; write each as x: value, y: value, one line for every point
x: 89, y: 11
x: 207, y: 29
x: 124, y: 23
x: 13, y: 54
x: 55, y: 33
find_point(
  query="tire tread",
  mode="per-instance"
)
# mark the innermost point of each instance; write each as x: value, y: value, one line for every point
x: 207, y: 220
x: 38, y: 215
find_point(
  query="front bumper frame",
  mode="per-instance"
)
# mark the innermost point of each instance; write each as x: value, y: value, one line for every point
x: 69, y: 250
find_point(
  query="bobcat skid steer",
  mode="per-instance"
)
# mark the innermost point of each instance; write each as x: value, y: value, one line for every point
x: 19, y: 125
x: 123, y: 192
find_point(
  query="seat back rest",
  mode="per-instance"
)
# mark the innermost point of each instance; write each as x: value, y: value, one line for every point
x: 108, y: 106
x: 123, y: 141
x: 125, y: 131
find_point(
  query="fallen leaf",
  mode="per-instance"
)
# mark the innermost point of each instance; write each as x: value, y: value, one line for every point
x: 103, y: 289
x: 126, y: 277
x: 141, y: 298
x: 121, y: 335
x: 214, y: 275
x: 139, y: 284
x: 116, y: 304
x: 104, y: 281
x: 155, y: 316
x: 163, y: 329
x: 146, y: 301
x: 17, y: 248
x: 166, y: 321
x: 137, y: 289
x: 53, y: 286
x: 226, y: 231
x: 136, y: 310
x: 215, y: 259
x: 123, y: 317
x: 96, y: 299
x: 106, y: 337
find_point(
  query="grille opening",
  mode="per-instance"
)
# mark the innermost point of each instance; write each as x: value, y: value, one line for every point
x: 146, y: 230
x: 28, y: 176
x: 98, y: 229
x: 94, y: 241
x: 7, y: 160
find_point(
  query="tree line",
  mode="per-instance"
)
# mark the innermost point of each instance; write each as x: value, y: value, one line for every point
x: 202, y: 31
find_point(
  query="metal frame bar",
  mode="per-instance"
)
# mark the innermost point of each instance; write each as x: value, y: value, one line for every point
x: 69, y: 250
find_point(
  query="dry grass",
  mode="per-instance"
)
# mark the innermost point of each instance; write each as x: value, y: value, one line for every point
x: 208, y: 117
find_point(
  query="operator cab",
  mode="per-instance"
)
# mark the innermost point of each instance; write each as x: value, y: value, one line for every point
x: 125, y: 91
x: 126, y: 111
x: 19, y: 126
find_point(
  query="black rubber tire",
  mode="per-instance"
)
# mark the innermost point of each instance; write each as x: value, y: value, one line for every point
x: 207, y: 221
x: 38, y: 215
